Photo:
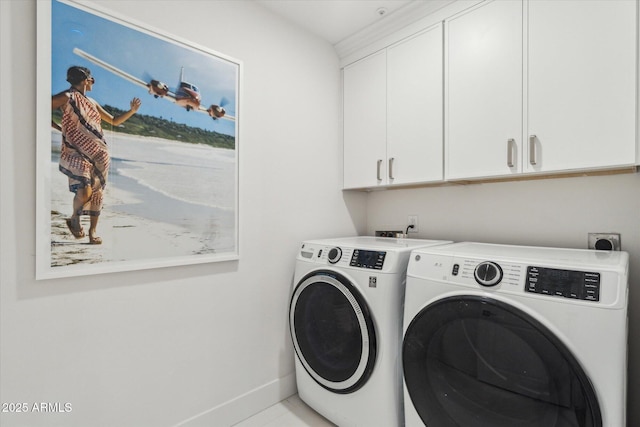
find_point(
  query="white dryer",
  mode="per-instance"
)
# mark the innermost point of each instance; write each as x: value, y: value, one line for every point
x: 504, y: 336
x: 345, y: 320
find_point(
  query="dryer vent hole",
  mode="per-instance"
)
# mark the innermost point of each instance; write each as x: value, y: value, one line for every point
x: 604, y: 245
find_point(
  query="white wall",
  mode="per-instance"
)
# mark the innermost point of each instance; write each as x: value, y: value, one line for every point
x: 158, y: 347
x: 550, y: 212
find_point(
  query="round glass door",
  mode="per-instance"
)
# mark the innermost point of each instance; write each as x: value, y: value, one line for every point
x: 476, y: 362
x: 332, y: 331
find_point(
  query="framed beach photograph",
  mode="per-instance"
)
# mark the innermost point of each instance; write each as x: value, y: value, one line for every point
x: 137, y: 152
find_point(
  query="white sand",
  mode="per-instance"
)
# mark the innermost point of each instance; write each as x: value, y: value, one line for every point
x: 125, y: 237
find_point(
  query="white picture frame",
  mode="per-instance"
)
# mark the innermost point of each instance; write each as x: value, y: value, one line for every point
x: 172, y: 192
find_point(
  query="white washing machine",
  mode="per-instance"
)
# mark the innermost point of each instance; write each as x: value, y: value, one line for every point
x: 504, y: 336
x: 345, y: 319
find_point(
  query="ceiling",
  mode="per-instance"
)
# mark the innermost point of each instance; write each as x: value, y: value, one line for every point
x: 335, y: 20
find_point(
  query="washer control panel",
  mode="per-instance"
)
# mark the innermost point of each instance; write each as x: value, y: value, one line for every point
x: 581, y: 285
x: 367, y: 259
x: 342, y: 256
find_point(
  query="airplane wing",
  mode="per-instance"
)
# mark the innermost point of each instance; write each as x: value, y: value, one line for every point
x: 154, y: 87
x: 118, y: 72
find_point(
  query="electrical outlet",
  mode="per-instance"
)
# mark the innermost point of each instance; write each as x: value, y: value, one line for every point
x: 604, y: 241
x: 413, y: 221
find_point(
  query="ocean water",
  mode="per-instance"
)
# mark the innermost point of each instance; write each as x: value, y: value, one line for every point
x: 191, y: 173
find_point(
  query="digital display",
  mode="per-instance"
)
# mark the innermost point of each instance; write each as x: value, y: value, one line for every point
x: 564, y: 283
x: 368, y: 259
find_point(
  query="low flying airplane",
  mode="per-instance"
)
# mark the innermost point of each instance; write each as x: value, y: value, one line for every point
x: 186, y: 95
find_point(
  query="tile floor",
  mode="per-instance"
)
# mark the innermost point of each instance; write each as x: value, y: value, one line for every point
x: 291, y: 412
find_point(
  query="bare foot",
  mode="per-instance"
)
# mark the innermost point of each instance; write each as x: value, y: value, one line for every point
x: 75, y: 228
x: 95, y: 240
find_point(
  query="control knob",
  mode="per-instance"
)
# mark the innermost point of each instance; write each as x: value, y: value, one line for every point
x: 488, y: 273
x: 334, y: 255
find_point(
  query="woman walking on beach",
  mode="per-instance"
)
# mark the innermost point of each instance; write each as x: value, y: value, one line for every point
x: 85, y: 157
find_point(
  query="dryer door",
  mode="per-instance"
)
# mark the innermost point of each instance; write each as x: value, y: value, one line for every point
x: 476, y: 362
x: 332, y: 331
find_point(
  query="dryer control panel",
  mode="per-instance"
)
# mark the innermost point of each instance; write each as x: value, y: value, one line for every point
x: 564, y: 283
x: 572, y: 284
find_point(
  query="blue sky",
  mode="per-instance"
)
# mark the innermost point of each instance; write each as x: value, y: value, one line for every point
x: 144, y: 56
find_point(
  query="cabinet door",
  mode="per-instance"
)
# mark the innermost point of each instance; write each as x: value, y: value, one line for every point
x: 414, y: 109
x: 364, y: 89
x: 483, y: 91
x: 582, y: 84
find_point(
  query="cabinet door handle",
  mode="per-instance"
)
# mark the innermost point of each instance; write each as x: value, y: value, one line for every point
x: 379, y: 168
x: 532, y: 149
x: 510, y: 152
x: 391, y: 160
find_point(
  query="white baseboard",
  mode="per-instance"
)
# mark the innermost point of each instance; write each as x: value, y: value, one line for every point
x: 246, y: 405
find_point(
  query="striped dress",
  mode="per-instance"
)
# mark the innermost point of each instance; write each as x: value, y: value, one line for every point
x: 84, y: 158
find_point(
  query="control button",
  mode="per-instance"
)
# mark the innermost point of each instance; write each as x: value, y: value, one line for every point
x: 334, y: 255
x: 488, y: 273
x: 456, y: 269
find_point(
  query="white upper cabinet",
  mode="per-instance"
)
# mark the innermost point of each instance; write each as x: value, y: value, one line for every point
x: 581, y: 84
x: 365, y: 126
x: 483, y: 110
x: 414, y: 109
x: 393, y: 114
x: 512, y: 87
x: 558, y: 94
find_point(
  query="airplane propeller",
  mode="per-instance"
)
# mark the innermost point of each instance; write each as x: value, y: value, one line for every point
x: 156, y: 87
x: 218, y: 111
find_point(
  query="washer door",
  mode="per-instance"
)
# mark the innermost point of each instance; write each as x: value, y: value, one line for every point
x: 332, y: 331
x: 476, y: 362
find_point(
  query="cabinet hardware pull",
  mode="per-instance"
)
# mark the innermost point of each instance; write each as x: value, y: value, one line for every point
x: 510, y: 151
x: 532, y: 149
x: 379, y: 167
x: 391, y: 160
